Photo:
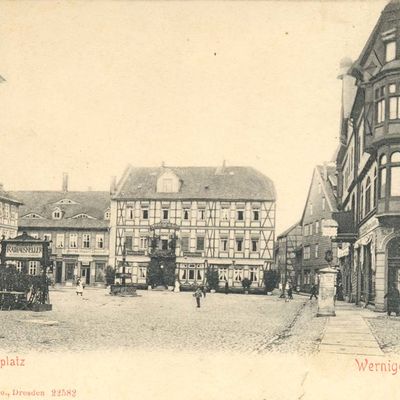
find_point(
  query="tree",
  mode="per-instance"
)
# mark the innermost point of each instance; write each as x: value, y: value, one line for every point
x: 271, y: 279
x: 212, y: 278
x: 110, y: 275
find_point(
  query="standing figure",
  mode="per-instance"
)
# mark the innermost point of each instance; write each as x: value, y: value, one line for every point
x: 314, y: 292
x: 198, y: 294
x: 393, y: 300
x: 204, y: 290
x: 226, y: 287
x: 290, y: 293
x: 79, y: 287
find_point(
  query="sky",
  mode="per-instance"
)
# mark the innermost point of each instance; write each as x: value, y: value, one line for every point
x: 93, y: 86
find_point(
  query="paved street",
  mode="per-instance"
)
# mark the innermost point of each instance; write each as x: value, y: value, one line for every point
x: 164, y: 320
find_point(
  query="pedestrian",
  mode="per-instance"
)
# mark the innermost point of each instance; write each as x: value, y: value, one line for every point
x: 313, y: 292
x: 226, y: 287
x: 204, y: 290
x: 79, y: 287
x: 198, y: 294
x: 393, y: 300
x: 290, y: 293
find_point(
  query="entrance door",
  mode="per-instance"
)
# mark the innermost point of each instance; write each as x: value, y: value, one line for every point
x: 394, y: 263
x: 86, y: 274
x: 58, y: 271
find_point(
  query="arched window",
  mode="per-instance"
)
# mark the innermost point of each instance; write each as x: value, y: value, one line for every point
x: 382, y: 160
x: 368, y: 196
x: 57, y: 213
x: 395, y: 157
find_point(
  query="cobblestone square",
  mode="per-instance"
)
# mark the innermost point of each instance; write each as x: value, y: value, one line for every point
x: 164, y: 321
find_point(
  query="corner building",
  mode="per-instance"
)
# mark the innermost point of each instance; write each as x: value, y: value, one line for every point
x: 201, y: 217
x: 368, y: 164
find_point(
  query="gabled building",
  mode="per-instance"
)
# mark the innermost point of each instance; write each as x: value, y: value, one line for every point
x: 320, y: 205
x: 8, y: 214
x: 368, y: 164
x: 288, y: 255
x: 192, y: 219
x: 77, y: 225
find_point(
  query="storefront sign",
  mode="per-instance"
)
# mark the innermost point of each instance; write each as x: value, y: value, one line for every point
x: 369, y: 226
x: 329, y: 228
x: 344, y: 251
x: 24, y: 250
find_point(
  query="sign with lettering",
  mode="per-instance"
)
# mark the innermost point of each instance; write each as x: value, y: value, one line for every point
x: 24, y: 250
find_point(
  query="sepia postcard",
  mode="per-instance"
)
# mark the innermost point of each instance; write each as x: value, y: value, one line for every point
x: 199, y: 200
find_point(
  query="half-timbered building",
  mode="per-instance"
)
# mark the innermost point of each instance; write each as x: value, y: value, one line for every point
x: 193, y: 219
x: 9, y: 206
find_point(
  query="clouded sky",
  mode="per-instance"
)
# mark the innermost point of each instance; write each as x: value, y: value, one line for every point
x: 92, y: 86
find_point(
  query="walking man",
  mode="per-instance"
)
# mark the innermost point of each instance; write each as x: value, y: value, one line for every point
x: 313, y: 292
x: 290, y: 293
x: 204, y: 290
x: 226, y: 287
x: 198, y: 294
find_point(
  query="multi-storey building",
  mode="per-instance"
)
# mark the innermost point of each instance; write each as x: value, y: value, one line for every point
x: 288, y: 253
x: 199, y: 218
x: 76, y: 224
x: 318, y: 210
x: 8, y: 214
x: 368, y: 164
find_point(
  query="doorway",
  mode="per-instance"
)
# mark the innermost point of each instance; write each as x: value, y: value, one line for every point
x: 58, y: 271
x: 85, y: 274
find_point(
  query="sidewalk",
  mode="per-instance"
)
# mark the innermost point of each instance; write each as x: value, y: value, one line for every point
x: 348, y: 333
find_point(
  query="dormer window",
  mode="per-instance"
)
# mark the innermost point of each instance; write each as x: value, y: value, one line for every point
x: 57, y: 214
x: 168, y: 182
x: 107, y: 215
x: 390, y: 51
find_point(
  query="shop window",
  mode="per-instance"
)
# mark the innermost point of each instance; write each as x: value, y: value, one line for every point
x: 238, y: 275
x: 223, y: 274
x: 164, y: 244
x: 69, y: 271
x: 99, y: 272
x: 253, y: 272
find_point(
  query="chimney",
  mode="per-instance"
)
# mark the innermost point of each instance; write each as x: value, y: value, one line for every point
x: 113, y: 185
x: 65, y: 182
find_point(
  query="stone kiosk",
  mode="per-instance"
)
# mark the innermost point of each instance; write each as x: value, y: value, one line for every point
x: 24, y: 283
